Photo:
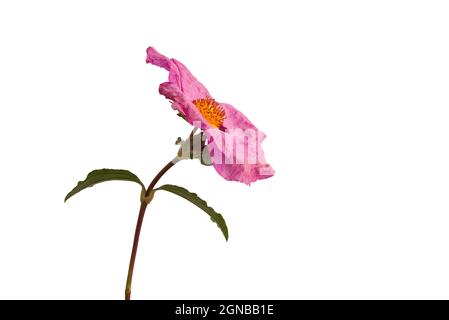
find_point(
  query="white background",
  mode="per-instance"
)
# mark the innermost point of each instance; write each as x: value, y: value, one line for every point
x: 353, y: 97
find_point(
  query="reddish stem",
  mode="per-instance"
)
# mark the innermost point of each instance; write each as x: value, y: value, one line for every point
x: 143, y: 207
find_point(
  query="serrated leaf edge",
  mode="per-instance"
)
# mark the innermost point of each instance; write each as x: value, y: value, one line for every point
x: 124, y: 177
x: 202, y: 202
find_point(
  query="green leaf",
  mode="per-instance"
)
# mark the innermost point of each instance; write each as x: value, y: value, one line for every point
x: 200, y: 203
x: 103, y: 175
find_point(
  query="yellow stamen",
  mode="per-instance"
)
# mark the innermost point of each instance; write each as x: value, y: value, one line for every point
x: 211, y: 111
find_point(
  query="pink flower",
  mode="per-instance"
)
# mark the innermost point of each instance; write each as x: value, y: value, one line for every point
x: 234, y: 142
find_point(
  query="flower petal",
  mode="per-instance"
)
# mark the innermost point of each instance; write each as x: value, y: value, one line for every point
x: 179, y: 103
x: 245, y: 173
x: 178, y: 75
x: 235, y: 119
x: 237, y: 154
x: 182, y: 87
x: 189, y: 85
x: 158, y: 59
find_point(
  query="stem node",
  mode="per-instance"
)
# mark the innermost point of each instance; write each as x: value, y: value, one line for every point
x: 145, y: 199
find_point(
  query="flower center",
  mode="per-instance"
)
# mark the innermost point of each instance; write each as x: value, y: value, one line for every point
x: 211, y: 111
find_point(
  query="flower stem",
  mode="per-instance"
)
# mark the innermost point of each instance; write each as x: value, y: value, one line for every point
x: 143, y: 207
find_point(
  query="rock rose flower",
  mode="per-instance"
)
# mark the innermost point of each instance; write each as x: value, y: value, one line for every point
x: 234, y: 143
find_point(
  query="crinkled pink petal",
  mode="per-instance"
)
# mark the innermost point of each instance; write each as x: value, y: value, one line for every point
x: 236, y: 152
x: 181, y: 82
x: 179, y: 103
x: 189, y: 85
x: 234, y: 164
x: 235, y: 119
x: 158, y: 59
